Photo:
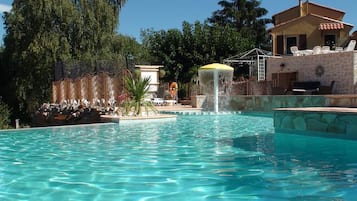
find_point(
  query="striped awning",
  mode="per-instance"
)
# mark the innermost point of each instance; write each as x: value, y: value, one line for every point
x: 330, y: 26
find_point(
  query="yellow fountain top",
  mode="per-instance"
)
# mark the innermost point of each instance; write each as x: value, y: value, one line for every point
x: 216, y: 66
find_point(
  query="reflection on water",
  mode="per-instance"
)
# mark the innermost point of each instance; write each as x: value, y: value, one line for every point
x: 333, y: 159
x: 223, y: 157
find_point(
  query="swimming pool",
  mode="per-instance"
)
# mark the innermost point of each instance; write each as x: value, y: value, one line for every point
x: 214, y: 157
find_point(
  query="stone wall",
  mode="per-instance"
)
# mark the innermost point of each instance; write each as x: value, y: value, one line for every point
x: 327, y: 124
x: 340, y: 67
x: 268, y: 103
x: 259, y: 103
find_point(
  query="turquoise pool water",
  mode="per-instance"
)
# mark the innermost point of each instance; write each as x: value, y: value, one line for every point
x: 223, y: 157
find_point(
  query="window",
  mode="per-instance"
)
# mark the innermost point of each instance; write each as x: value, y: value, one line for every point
x: 284, y: 42
x: 330, y: 40
x: 280, y: 45
x: 290, y: 41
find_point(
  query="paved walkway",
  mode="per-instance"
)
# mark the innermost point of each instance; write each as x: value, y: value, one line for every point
x: 177, y: 107
x: 173, y: 108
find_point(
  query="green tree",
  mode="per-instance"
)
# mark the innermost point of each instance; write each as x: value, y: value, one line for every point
x: 246, y: 16
x: 127, y: 46
x: 183, y: 52
x: 41, y: 33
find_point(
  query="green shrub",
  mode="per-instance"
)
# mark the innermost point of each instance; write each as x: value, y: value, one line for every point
x: 137, y: 89
x: 5, y: 113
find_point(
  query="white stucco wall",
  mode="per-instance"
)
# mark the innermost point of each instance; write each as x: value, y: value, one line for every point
x: 154, y: 80
x: 151, y: 71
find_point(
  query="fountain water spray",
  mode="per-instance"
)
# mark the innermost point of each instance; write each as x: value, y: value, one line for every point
x: 221, y: 75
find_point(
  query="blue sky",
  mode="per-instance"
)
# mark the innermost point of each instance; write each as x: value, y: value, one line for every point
x: 167, y: 14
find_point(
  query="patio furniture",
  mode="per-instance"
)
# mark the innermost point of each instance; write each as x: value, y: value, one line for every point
x: 351, y: 46
x: 307, y: 52
x: 170, y: 102
x: 325, y: 49
x: 327, y: 89
x: 295, y: 50
x: 316, y: 50
x: 339, y: 49
x: 306, y: 87
x: 185, y: 101
x: 158, y: 101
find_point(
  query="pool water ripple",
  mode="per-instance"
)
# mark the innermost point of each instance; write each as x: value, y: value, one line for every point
x: 223, y: 157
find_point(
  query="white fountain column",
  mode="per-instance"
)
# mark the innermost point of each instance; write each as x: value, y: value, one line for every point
x: 215, y: 92
x: 212, y: 72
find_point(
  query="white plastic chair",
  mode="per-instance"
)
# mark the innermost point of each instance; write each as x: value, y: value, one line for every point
x: 295, y: 51
x: 316, y: 50
x: 325, y: 49
x: 339, y: 49
x: 351, y: 45
x: 158, y: 101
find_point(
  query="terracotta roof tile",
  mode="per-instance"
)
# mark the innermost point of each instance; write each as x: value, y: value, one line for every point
x: 330, y: 26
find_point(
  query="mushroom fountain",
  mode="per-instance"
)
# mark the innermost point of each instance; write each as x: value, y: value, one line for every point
x: 216, y: 80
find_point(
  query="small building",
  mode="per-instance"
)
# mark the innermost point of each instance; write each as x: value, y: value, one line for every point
x: 308, y: 25
x: 152, y: 71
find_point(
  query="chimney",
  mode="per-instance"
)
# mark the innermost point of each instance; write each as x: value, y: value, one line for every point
x: 300, y: 7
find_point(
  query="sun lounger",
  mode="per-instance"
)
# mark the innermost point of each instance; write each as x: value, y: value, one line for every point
x: 158, y: 101
x: 170, y: 102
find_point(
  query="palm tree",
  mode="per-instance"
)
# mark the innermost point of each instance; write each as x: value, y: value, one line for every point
x: 137, y: 89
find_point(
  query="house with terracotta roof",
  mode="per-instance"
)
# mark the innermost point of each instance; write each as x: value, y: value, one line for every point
x: 324, y: 51
x: 308, y: 25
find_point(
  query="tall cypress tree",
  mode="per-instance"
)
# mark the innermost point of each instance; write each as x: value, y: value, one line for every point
x: 244, y: 15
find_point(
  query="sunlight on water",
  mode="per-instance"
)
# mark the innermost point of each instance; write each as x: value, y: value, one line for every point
x: 223, y: 157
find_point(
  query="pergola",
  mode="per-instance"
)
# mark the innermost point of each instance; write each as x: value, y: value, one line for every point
x: 255, y: 58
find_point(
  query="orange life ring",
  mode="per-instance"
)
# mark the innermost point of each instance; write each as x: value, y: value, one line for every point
x: 173, y: 89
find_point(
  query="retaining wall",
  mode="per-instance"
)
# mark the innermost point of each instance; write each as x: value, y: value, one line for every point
x: 325, y: 122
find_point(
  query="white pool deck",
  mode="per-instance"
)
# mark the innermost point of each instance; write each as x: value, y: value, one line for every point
x: 321, y: 109
x: 158, y: 116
